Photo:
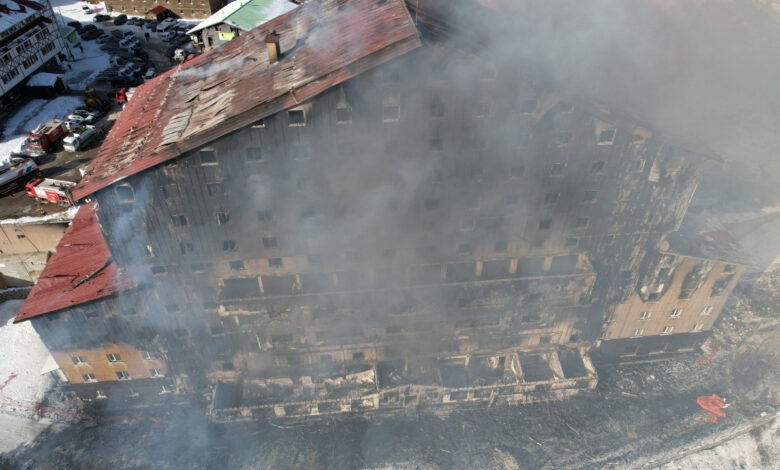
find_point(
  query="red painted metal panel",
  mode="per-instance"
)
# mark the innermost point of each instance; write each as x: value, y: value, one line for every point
x: 78, y: 260
x: 234, y: 85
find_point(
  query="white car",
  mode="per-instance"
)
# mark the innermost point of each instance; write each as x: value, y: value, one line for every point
x: 134, y: 67
x: 166, y: 25
x: 74, y: 122
x: 150, y: 73
x: 76, y: 142
x: 129, y: 43
x: 88, y: 117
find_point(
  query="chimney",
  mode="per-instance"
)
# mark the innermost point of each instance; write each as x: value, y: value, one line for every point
x: 272, y: 43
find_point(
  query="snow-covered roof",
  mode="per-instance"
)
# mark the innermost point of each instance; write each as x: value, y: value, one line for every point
x: 246, y: 14
x: 12, y: 12
x: 43, y: 79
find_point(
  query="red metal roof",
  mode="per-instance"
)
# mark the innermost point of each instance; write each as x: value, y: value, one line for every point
x: 157, y: 10
x: 229, y: 87
x: 83, y: 260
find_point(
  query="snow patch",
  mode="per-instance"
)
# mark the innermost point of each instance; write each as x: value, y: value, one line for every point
x: 31, y: 115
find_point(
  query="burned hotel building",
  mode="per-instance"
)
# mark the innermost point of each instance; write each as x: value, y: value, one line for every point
x: 340, y: 212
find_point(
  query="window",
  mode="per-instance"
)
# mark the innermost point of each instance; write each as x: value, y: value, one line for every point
x: 391, y: 75
x: 89, y: 378
x: 706, y: 311
x: 179, y: 220
x: 254, y: 154
x: 124, y: 192
x: 259, y: 124
x: 464, y: 248
x: 314, y: 258
x: 557, y: 168
x: 606, y: 137
x: 270, y: 242
x: 551, y: 198
x: 517, y: 171
x: 500, y: 246
x: 90, y: 312
x: 146, y: 356
x: 208, y: 157
x: 78, y: 360
x: 589, y: 196
x: 265, y: 215
x: 572, y: 242
x: 237, y: 265
x: 676, y: 313
x: 391, y: 113
x: 275, y: 262
x: 186, y: 248
x: 198, y: 267
x: 113, y: 357
x: 155, y: 373
x: 437, y: 107
x: 215, y: 189
x: 326, y: 359
x: 169, y: 190
x: 481, y: 109
x: 158, y: 270
x: 697, y: 327
x: 564, y: 138
x: 667, y: 330
x: 468, y: 222
x: 537, y: 244
x: 297, y: 117
x: 638, y: 332
x: 299, y: 150
x: 645, y: 315
x: 122, y: 375
x: 228, y: 245
x: 545, y: 224
x: 344, y: 115
x: 358, y: 356
x: 582, y: 222
x: 223, y: 218
x: 637, y: 165
x: 100, y: 394
x: 597, y: 167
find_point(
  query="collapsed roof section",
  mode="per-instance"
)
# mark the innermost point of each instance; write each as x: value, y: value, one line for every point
x: 81, y: 270
x: 323, y: 43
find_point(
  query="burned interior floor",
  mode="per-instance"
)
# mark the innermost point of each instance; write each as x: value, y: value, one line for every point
x: 640, y: 415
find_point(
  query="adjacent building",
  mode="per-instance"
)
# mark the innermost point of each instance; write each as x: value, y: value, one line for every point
x: 326, y: 216
x: 179, y: 8
x: 30, y: 42
x: 235, y: 19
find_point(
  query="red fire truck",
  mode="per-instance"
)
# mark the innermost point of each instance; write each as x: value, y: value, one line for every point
x: 44, y: 138
x: 49, y: 190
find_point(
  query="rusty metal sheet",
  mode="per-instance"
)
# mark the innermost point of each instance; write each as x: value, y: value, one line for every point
x: 323, y: 44
x: 83, y: 260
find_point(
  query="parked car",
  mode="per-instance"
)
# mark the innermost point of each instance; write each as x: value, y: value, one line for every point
x: 134, y: 67
x: 150, y: 73
x: 90, y: 34
x: 87, y: 10
x: 120, y: 20
x: 166, y: 24
x: 116, y: 61
x: 125, y: 82
x: 90, y: 117
x: 74, y: 122
x: 141, y: 54
x: 128, y: 43
x: 104, y: 38
x: 100, y: 18
x: 75, y: 25
x: 152, y: 25
x: 169, y: 35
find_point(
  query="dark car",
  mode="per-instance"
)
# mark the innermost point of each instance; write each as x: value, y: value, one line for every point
x: 120, y: 20
x: 88, y: 27
x: 140, y: 53
x: 151, y: 25
x: 123, y: 82
x: 117, y: 34
x: 75, y: 25
x: 101, y: 18
x: 90, y: 34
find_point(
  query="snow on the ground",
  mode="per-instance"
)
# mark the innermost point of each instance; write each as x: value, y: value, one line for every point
x: 63, y: 216
x: 89, y: 61
x: 34, y: 113
x: 758, y: 449
x: 70, y: 10
x: 21, y: 353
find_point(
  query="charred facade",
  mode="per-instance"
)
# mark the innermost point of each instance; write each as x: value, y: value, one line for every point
x: 441, y: 229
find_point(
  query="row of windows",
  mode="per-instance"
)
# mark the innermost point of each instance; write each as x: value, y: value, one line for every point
x: 113, y: 357
x: 677, y: 313
x: 121, y: 375
x: 639, y: 332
